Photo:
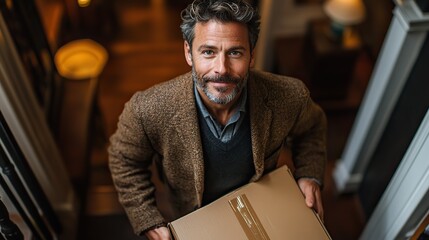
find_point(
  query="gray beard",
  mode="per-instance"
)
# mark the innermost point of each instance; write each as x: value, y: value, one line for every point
x: 201, y: 84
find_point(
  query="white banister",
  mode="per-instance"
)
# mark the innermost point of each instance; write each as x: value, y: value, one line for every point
x: 400, y: 50
x: 406, y: 199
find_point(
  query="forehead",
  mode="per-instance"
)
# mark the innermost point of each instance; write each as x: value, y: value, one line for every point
x: 221, y: 32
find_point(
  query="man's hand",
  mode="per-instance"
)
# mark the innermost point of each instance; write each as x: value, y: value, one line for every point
x: 161, y: 233
x: 313, y: 197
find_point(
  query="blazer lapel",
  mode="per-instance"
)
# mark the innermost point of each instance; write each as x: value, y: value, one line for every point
x: 186, y: 124
x: 260, y: 120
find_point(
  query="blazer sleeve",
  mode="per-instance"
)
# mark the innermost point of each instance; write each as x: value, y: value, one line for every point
x: 130, y: 156
x: 309, y: 141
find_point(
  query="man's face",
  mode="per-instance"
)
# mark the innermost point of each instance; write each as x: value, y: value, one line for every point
x: 220, y: 58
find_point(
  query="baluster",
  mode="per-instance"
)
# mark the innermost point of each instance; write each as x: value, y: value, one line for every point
x: 7, y: 227
x: 28, y: 176
x: 8, y: 170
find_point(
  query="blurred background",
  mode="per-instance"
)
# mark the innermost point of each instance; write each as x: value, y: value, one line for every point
x: 69, y: 66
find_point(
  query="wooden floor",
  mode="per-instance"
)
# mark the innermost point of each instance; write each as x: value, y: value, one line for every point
x: 148, y: 49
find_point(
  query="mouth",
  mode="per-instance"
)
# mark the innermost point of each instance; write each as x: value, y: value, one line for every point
x: 221, y: 80
x: 221, y: 83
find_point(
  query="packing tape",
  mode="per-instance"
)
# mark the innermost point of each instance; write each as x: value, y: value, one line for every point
x: 248, y: 219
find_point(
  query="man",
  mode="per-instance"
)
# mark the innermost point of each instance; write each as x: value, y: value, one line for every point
x: 216, y: 128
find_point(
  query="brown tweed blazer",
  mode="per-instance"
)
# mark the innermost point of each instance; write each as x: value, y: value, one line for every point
x: 160, y: 124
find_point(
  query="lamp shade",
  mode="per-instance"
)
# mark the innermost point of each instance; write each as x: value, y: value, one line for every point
x: 81, y: 59
x: 345, y: 12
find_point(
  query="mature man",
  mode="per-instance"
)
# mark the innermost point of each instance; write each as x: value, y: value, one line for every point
x: 216, y: 128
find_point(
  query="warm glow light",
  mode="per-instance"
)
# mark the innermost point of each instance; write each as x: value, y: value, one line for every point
x: 80, y: 59
x: 345, y: 12
x: 83, y: 3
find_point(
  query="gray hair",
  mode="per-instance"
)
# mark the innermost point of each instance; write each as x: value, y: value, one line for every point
x: 222, y: 11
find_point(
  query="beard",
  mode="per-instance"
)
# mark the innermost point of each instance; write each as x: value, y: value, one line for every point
x: 220, y: 95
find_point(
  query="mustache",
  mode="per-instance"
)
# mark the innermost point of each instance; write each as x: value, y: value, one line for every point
x: 221, y: 78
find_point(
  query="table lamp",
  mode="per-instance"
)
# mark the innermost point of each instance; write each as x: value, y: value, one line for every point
x: 83, y: 3
x: 343, y: 14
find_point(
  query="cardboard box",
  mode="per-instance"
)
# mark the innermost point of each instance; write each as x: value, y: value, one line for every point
x: 271, y: 209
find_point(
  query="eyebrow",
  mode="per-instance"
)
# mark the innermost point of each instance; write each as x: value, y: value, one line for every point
x: 206, y: 46
x: 237, y: 48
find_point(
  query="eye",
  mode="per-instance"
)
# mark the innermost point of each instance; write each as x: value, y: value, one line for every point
x: 235, y: 53
x: 208, y: 52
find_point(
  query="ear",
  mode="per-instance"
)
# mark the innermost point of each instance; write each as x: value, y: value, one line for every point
x: 188, y: 53
x: 252, y: 58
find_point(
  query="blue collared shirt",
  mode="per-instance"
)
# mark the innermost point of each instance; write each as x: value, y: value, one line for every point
x: 224, y: 133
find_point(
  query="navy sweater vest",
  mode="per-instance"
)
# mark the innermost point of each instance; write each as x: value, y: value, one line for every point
x: 227, y: 166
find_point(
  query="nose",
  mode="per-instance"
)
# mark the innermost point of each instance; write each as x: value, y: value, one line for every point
x: 222, y: 65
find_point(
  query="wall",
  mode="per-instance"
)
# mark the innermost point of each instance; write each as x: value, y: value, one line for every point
x: 282, y: 18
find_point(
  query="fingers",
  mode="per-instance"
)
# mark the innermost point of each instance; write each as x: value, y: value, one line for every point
x: 161, y: 233
x: 319, y: 205
x: 312, y: 195
x: 309, y: 198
